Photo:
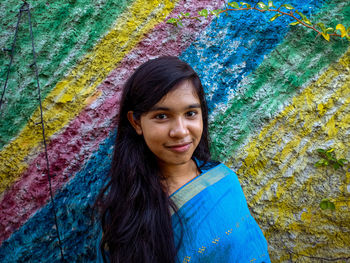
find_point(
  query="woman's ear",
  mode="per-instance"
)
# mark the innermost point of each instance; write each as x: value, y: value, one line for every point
x: 134, y: 122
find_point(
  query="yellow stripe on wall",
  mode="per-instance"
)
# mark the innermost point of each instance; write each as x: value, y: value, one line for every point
x: 74, y: 92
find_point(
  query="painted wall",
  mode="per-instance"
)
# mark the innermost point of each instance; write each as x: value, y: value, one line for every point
x: 275, y: 95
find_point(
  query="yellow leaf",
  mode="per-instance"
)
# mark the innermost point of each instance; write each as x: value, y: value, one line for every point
x: 307, y: 21
x: 326, y: 36
x: 342, y: 29
x: 294, y: 23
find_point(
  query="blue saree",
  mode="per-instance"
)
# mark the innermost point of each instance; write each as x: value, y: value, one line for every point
x: 217, y: 225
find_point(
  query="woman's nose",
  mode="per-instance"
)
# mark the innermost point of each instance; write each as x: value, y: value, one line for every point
x: 179, y: 128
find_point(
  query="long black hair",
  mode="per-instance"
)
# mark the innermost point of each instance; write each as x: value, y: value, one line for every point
x: 135, y: 208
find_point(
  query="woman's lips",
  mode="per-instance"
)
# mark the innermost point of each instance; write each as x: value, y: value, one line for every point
x: 180, y: 148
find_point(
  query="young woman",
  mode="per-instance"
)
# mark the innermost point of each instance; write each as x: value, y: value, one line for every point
x: 166, y: 201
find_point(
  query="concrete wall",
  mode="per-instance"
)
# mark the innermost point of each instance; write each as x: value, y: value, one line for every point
x: 275, y: 93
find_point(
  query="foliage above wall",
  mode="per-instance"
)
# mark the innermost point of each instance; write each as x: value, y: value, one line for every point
x: 283, y: 10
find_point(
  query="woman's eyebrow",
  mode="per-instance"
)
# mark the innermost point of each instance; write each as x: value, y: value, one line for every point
x: 192, y: 106
x: 159, y: 109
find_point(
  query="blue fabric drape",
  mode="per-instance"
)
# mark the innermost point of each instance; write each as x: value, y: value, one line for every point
x: 217, y: 224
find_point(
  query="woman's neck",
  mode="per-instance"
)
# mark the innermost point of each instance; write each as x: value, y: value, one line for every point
x: 178, y: 175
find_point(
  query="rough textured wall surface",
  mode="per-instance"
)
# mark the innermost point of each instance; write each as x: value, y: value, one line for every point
x: 275, y: 94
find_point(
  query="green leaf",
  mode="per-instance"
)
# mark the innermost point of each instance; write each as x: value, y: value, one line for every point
x: 242, y: 3
x: 342, y: 30
x: 333, y: 159
x: 187, y: 14
x: 203, y: 12
x: 342, y: 161
x: 234, y: 4
x: 180, y: 23
x: 330, y: 30
x: 172, y: 21
x: 323, y: 28
x: 301, y: 14
x: 320, y: 163
x: 325, y: 35
x: 294, y: 23
x: 263, y: 6
x: 336, y: 166
x: 287, y: 6
x: 321, y: 150
x: 216, y: 12
x: 307, y: 21
x: 270, y: 4
x: 340, y: 164
x: 326, y: 204
x: 274, y: 17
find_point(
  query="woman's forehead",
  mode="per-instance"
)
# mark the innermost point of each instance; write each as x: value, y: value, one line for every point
x: 184, y: 92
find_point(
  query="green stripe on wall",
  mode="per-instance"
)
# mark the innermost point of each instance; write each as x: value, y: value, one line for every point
x: 280, y: 76
x: 64, y: 31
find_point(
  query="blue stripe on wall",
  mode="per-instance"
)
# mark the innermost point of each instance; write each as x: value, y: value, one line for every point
x: 73, y: 204
x: 227, y: 51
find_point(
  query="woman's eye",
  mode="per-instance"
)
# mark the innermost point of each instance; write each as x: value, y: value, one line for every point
x: 191, y: 113
x: 161, y: 116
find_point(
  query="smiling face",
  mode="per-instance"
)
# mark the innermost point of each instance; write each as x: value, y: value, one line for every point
x: 173, y: 127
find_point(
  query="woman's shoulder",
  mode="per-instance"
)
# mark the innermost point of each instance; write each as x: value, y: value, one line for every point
x: 208, y: 165
x: 220, y: 170
x: 213, y: 165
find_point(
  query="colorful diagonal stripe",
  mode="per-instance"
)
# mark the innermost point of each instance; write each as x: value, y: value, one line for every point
x: 280, y: 76
x: 77, y: 90
x: 69, y: 149
x: 277, y: 166
x: 57, y: 49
